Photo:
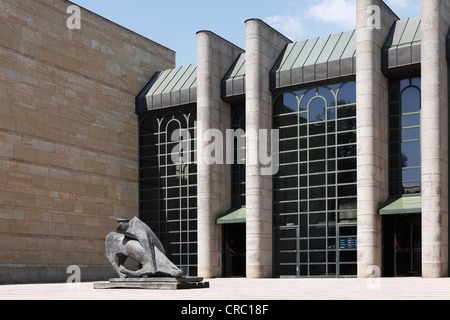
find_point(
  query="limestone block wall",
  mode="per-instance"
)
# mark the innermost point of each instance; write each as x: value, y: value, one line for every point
x: 68, y: 137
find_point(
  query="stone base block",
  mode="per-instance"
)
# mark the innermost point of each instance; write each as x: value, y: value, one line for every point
x: 160, y: 283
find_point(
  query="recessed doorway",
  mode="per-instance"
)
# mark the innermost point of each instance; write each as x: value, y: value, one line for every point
x: 402, y: 245
x: 234, y: 250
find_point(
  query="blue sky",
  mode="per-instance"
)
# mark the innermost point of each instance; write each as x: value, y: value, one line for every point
x: 174, y: 23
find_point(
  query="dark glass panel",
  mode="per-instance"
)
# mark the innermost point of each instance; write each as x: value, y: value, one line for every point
x: 394, y: 89
x: 317, y: 128
x: 315, y: 167
x: 317, y: 218
x: 347, y: 137
x: 317, y: 270
x: 394, y: 108
x: 317, y: 154
x: 285, y: 120
x: 318, y: 141
x: 317, y: 180
x: 316, y: 193
x: 289, y: 132
x: 346, y: 112
x: 394, y: 122
x: 317, y: 256
x: 346, y: 151
x: 346, y: 125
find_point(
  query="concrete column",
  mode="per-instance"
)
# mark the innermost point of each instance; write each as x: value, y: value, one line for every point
x: 372, y: 129
x: 263, y: 46
x: 214, y: 57
x: 434, y: 134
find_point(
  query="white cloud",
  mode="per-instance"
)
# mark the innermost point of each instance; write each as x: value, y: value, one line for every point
x: 290, y: 26
x: 341, y: 12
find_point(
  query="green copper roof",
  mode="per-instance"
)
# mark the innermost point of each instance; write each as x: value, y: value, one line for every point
x: 169, y: 88
x: 233, y: 84
x: 403, y: 205
x: 402, y: 46
x: 233, y: 216
x: 316, y: 59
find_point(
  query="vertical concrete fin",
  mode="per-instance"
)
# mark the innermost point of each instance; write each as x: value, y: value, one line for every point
x: 263, y: 47
x: 215, y: 55
x: 373, y: 23
x: 435, y: 21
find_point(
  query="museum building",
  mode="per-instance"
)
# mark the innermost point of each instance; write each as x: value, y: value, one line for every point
x: 361, y: 183
x: 98, y: 124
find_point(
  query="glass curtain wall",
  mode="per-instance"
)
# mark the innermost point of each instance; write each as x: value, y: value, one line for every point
x: 168, y: 189
x: 238, y: 166
x: 402, y: 248
x: 404, y: 137
x: 314, y: 192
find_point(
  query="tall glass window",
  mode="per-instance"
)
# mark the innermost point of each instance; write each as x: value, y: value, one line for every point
x: 315, y: 189
x: 168, y: 190
x: 404, y: 137
x: 238, y: 166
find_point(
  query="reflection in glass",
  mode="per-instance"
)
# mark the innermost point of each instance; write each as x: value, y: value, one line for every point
x: 404, y: 137
x: 410, y: 100
x: 410, y: 154
x: 346, y: 94
x: 411, y: 134
x: 317, y: 179
x: 285, y: 103
x: 410, y: 120
x: 317, y: 109
x: 167, y: 190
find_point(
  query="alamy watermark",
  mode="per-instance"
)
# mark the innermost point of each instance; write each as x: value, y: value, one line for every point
x: 374, y: 17
x: 217, y: 149
x: 374, y: 280
x: 73, y: 281
x: 74, y: 21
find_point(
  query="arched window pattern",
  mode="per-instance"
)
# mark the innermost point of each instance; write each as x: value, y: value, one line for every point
x: 404, y: 137
x: 314, y: 191
x: 168, y: 190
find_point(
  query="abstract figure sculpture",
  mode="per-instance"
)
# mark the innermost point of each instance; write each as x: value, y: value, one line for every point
x: 135, y: 240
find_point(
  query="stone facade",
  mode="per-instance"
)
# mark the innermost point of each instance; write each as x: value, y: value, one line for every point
x: 434, y: 131
x: 372, y: 132
x: 263, y: 47
x: 68, y: 137
x: 214, y: 57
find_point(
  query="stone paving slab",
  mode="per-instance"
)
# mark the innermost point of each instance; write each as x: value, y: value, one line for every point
x: 248, y: 289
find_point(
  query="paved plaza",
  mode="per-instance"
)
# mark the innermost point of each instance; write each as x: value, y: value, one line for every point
x: 248, y: 289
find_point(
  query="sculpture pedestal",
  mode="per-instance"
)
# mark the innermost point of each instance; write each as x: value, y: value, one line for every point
x: 154, y: 283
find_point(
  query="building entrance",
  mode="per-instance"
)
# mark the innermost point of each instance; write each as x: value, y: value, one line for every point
x: 402, y: 245
x: 234, y: 250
